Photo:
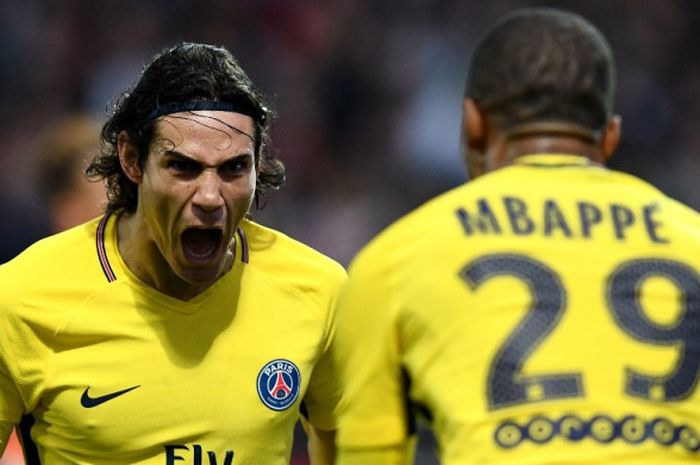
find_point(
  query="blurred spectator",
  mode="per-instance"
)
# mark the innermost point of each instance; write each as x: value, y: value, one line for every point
x: 66, y: 151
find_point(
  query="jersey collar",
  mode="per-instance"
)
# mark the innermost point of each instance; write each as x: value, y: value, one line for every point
x: 553, y: 160
x: 106, y: 232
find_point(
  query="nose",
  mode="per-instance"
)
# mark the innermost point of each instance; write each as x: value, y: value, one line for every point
x: 208, y: 194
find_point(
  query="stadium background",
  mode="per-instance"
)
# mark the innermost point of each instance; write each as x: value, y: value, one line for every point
x: 368, y: 95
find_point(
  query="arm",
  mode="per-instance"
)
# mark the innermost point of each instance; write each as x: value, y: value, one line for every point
x: 321, y: 444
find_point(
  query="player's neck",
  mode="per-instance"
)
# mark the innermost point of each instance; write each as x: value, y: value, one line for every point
x: 553, y: 144
x: 141, y: 255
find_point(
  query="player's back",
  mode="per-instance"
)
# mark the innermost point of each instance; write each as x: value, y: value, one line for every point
x: 549, y: 313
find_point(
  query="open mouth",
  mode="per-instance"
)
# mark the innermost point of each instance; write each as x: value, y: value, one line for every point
x: 201, y: 245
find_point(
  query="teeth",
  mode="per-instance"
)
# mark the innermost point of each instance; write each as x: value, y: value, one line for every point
x: 203, y: 253
x: 200, y: 244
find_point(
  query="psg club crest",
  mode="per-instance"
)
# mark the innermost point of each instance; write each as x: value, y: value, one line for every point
x: 278, y: 384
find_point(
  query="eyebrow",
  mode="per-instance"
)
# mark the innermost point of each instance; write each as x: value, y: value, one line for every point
x: 183, y: 156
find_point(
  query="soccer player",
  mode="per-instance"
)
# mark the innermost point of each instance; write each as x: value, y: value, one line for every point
x: 547, y: 312
x: 174, y: 329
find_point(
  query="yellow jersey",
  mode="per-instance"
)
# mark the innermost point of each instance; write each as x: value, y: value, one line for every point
x: 545, y: 313
x: 99, y: 368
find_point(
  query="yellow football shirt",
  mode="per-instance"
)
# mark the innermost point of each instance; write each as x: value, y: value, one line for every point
x: 101, y: 369
x: 546, y: 313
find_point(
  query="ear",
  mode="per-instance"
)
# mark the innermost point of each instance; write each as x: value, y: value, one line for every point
x: 611, y: 137
x: 474, y: 138
x: 129, y: 158
x: 474, y: 126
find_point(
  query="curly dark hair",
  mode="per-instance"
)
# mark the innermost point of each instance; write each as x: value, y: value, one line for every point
x: 541, y: 64
x: 185, y: 73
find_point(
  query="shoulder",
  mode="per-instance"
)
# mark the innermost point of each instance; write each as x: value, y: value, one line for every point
x: 684, y: 220
x: 415, y: 234
x: 39, y: 285
x: 290, y: 261
x: 680, y: 218
x: 69, y: 255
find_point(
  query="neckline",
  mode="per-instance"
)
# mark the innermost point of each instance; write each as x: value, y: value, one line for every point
x: 116, y: 269
x: 554, y: 160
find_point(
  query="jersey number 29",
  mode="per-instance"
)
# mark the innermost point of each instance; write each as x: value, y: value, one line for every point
x: 506, y: 386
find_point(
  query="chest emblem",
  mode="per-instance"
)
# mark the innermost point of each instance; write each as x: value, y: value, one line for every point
x: 278, y: 384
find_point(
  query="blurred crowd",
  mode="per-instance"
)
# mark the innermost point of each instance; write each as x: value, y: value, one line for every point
x: 368, y: 96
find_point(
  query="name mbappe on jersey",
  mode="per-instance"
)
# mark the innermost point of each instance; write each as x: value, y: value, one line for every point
x: 511, y: 214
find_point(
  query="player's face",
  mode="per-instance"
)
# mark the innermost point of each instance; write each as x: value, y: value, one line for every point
x: 197, y: 186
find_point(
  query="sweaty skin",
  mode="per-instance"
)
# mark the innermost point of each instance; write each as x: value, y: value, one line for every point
x: 195, y: 188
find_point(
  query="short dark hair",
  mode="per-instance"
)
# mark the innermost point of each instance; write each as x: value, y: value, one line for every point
x: 185, y: 73
x: 541, y: 64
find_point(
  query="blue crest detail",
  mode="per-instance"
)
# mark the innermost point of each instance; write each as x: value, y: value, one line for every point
x: 278, y: 384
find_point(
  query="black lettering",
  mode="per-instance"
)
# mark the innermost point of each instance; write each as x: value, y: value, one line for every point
x: 590, y: 216
x: 465, y: 221
x: 663, y: 431
x: 540, y: 430
x: 170, y: 456
x: 603, y: 428
x: 572, y: 427
x: 689, y: 438
x: 651, y: 224
x: 517, y: 214
x: 228, y: 459
x: 554, y: 219
x: 633, y: 429
x: 485, y: 220
x: 623, y: 218
x: 509, y: 435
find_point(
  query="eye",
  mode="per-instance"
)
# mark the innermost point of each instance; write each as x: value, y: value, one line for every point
x: 236, y: 166
x: 181, y: 166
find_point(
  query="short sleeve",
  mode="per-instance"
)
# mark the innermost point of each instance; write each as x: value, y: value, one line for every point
x: 323, y: 393
x: 11, y: 403
x: 366, y: 354
x: 322, y: 396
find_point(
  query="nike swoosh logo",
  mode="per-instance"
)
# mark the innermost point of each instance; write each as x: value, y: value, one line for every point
x: 90, y: 402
